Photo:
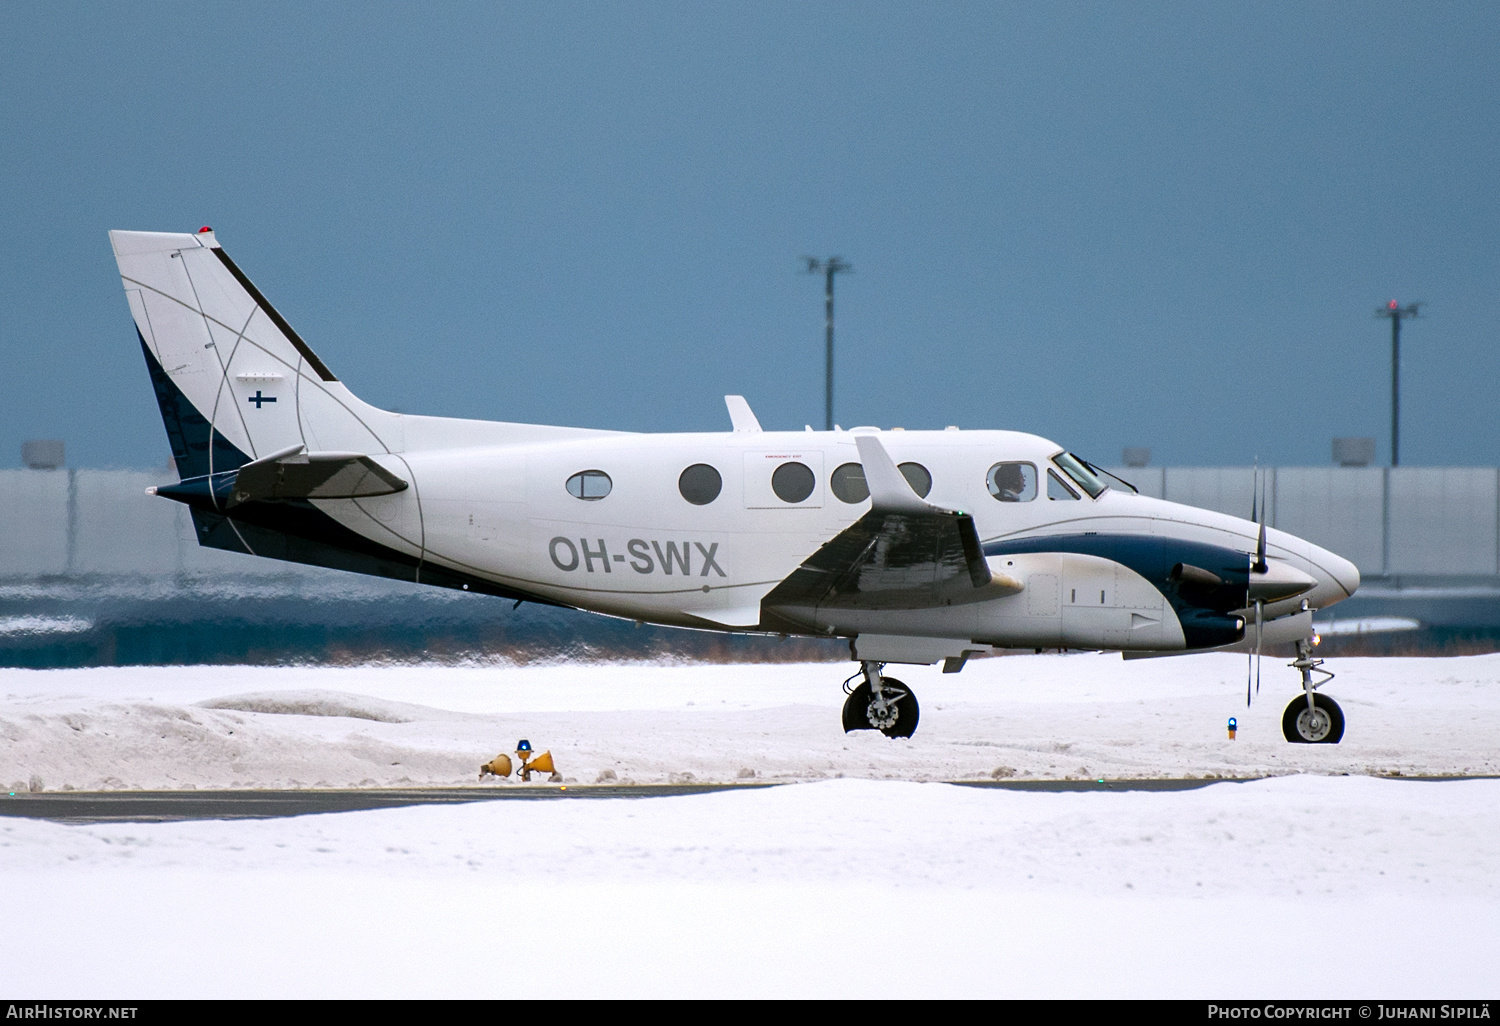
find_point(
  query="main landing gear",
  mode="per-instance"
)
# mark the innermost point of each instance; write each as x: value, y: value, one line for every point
x: 1311, y: 718
x: 880, y: 703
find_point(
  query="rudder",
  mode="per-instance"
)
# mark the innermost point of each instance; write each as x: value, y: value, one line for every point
x: 197, y: 448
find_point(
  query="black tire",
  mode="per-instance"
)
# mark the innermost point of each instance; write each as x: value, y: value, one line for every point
x: 857, y: 710
x: 1295, y: 721
x: 854, y: 709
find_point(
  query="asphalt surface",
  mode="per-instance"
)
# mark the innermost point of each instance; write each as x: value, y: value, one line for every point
x: 167, y: 806
x: 164, y: 806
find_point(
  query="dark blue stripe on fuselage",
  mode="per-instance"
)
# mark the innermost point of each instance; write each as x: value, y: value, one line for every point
x: 1203, y: 614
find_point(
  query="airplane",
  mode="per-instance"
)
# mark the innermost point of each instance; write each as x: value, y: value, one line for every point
x: 917, y: 547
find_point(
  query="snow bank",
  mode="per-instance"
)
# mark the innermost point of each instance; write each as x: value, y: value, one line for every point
x: 321, y: 703
x: 1081, y: 716
x: 1311, y: 884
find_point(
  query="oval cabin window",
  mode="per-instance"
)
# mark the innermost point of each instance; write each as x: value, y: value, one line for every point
x: 590, y: 485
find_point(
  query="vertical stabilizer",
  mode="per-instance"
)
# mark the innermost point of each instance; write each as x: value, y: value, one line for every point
x: 233, y: 379
x: 197, y: 448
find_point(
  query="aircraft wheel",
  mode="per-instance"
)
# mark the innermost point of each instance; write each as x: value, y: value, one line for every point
x: 1321, y: 726
x: 855, y: 707
x: 858, y: 715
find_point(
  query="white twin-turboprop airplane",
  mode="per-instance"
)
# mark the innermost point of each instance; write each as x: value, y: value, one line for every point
x: 917, y: 546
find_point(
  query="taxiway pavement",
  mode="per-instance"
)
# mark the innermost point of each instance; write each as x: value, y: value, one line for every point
x: 171, y: 806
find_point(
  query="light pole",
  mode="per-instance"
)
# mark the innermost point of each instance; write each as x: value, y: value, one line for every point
x: 829, y: 267
x: 1396, y: 313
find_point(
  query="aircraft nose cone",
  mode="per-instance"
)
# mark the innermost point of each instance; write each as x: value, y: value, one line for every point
x: 1344, y: 573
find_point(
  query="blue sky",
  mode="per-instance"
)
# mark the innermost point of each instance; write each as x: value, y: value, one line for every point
x: 1112, y: 224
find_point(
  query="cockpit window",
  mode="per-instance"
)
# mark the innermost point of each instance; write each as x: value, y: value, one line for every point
x: 1081, y: 475
x: 1101, y: 472
x: 1057, y: 488
x: 1012, y: 482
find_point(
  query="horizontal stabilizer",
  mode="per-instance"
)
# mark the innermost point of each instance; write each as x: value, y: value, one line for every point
x: 296, y: 474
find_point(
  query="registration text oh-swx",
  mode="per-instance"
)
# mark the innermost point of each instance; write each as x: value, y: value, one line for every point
x: 593, y: 555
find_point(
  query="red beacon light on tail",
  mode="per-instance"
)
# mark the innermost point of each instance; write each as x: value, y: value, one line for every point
x: 205, y: 228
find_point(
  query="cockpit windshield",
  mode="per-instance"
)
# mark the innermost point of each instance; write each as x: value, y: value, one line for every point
x: 1099, y: 471
x: 1081, y: 475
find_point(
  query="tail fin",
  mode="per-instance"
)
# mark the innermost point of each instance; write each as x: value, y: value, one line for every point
x: 233, y: 379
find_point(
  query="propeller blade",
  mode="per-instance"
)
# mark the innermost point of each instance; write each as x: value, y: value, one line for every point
x: 1249, y: 672
x: 1257, y: 509
x: 1257, y: 514
x: 1259, y: 635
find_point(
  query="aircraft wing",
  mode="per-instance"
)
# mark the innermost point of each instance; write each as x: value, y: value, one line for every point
x: 297, y: 474
x: 903, y: 554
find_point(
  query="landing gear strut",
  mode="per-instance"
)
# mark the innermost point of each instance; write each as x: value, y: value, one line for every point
x: 1312, y: 719
x: 880, y: 703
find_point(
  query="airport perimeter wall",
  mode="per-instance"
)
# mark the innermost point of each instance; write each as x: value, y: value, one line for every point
x: 1403, y: 522
x: 1406, y: 522
x: 93, y: 571
x: 59, y: 523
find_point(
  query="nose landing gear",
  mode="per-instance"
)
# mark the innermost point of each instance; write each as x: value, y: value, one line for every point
x: 1312, y: 719
x: 880, y: 703
x: 1320, y: 724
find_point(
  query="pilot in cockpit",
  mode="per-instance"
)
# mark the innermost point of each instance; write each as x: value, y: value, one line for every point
x: 1010, y: 482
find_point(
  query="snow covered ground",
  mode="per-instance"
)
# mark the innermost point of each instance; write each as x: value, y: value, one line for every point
x: 1311, y: 884
x: 1052, y: 716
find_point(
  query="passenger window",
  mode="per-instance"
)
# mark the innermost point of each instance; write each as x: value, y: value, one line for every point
x: 918, y: 477
x: 848, y: 483
x: 793, y: 482
x: 589, y: 484
x: 700, y: 484
x: 1057, y: 488
x: 1012, y: 482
